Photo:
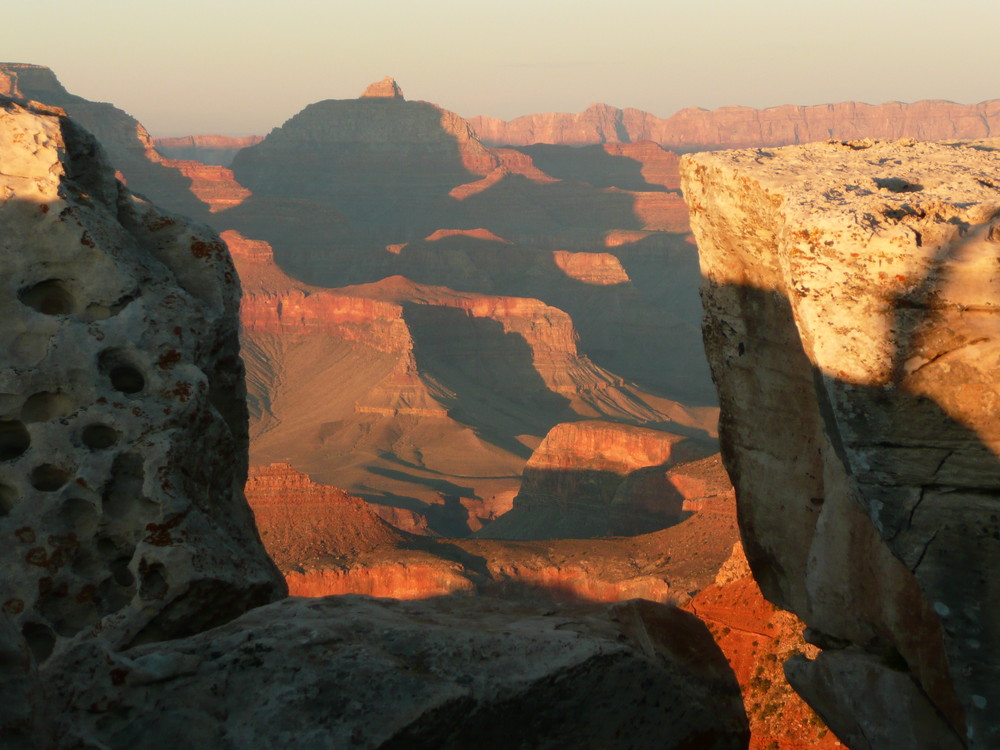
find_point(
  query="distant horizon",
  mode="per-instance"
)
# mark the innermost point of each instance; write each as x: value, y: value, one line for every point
x: 238, y: 69
x: 402, y: 86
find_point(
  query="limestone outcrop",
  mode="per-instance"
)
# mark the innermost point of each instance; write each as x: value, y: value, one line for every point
x: 123, y: 398
x: 851, y: 294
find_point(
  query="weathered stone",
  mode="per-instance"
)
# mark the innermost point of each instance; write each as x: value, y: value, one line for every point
x: 851, y: 294
x: 123, y: 428
x: 454, y: 672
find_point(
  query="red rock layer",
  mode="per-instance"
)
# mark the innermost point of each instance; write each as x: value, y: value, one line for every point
x: 402, y: 580
x: 732, y: 127
x: 213, y: 185
x: 300, y: 520
x: 217, y: 150
x: 603, y: 446
x: 659, y: 166
x: 600, y: 269
x: 757, y: 638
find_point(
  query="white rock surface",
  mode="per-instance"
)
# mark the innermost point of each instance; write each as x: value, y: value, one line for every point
x: 123, y: 433
x: 852, y: 294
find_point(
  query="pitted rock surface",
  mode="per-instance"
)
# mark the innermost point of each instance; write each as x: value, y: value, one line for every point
x: 852, y: 294
x: 123, y: 428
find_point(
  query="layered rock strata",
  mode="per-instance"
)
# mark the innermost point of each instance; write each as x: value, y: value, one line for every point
x: 728, y: 127
x: 596, y: 478
x: 123, y: 430
x: 215, y: 150
x: 851, y: 294
x: 129, y: 548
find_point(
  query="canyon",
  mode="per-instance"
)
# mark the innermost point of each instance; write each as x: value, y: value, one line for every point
x: 473, y: 354
x: 139, y: 604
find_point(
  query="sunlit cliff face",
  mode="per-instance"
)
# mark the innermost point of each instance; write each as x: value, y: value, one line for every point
x: 851, y: 294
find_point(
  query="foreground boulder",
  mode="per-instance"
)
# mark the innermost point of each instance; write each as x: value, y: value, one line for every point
x: 128, y: 546
x: 123, y: 430
x: 447, y: 673
x: 851, y: 293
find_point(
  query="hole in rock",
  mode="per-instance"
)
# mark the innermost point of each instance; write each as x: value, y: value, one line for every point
x: 40, y: 639
x: 68, y: 614
x: 50, y: 297
x: 8, y: 499
x: 49, y: 477
x: 45, y: 406
x: 14, y: 439
x: 78, y: 516
x: 120, y: 571
x: 898, y: 185
x: 98, y: 437
x: 124, y: 491
x: 125, y: 377
x: 154, y: 583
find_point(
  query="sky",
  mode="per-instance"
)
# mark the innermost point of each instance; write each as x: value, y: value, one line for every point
x: 240, y: 68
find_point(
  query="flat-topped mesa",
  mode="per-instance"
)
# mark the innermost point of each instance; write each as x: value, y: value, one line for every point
x: 385, y: 164
x: 596, y: 478
x: 852, y: 299
x: 387, y: 88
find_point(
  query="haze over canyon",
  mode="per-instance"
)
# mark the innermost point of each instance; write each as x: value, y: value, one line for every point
x: 471, y: 370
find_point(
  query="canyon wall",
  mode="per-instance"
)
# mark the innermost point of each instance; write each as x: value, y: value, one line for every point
x: 129, y: 548
x: 693, y: 129
x: 851, y: 294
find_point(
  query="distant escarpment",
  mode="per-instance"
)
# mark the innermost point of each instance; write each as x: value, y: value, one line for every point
x: 217, y: 150
x: 852, y: 295
x: 728, y: 127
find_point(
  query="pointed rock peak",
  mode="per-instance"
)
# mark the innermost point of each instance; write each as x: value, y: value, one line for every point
x: 387, y: 88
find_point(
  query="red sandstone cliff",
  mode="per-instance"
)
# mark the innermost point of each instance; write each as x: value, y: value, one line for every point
x: 730, y: 127
x: 597, y: 478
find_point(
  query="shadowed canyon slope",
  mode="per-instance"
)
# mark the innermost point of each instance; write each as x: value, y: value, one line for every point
x: 852, y: 291
x: 452, y: 336
x: 135, y: 589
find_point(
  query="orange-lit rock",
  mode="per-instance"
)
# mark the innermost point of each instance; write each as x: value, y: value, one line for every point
x: 596, y: 478
x: 387, y: 88
x: 210, y: 184
x: 757, y: 638
x: 591, y: 268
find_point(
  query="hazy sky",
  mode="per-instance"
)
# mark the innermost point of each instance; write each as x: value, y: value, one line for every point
x: 222, y: 66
